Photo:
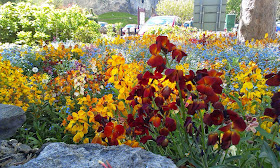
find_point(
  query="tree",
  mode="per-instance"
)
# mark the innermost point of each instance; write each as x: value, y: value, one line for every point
x: 233, y: 7
x: 181, y: 8
x: 258, y: 17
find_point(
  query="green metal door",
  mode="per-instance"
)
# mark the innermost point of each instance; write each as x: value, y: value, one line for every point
x: 210, y: 14
x: 230, y: 21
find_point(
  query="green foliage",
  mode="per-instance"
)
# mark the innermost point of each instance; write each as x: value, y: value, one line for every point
x: 181, y: 8
x: 233, y: 7
x: 24, y: 23
x: 117, y: 17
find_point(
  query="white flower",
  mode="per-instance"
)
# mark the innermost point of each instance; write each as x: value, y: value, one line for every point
x: 45, y: 81
x: 35, y: 69
x: 232, y: 149
x: 76, y: 94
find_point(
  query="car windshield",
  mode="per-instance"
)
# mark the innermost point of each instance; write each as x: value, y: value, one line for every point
x: 160, y: 21
x: 129, y: 26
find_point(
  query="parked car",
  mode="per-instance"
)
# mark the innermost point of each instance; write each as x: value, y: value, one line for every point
x: 160, y: 21
x: 130, y: 29
x: 277, y: 26
x: 103, y: 26
x: 235, y: 28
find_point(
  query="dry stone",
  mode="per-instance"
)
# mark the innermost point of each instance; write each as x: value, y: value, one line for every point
x: 11, y: 118
x: 61, y: 155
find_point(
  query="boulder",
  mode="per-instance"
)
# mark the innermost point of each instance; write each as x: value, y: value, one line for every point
x: 11, y: 118
x: 14, y: 153
x: 62, y: 155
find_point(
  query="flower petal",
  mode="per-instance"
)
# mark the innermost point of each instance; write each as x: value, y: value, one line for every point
x: 235, y: 138
x: 239, y: 124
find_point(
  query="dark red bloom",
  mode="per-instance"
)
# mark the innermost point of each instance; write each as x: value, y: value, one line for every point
x: 273, y: 79
x: 144, y: 139
x: 217, y: 117
x: 149, y: 92
x: 156, y: 121
x: 166, y: 91
x: 156, y: 60
x: 170, y: 124
x: 274, y: 112
x: 155, y: 49
x: 164, y: 131
x: 174, y: 75
x: 212, y: 138
x: 159, y: 101
x: 192, y: 108
x: 162, y: 141
x: 178, y: 54
x: 231, y: 134
x: 170, y: 106
x: 188, y: 125
x: 165, y: 44
x: 190, y: 77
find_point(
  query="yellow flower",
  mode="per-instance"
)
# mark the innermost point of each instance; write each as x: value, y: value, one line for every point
x: 77, y: 138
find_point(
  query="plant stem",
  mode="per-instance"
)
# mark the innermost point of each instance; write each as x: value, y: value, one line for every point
x: 182, y: 108
x: 204, y: 158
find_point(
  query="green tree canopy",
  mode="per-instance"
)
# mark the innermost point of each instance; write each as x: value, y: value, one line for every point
x: 181, y: 8
x: 233, y: 7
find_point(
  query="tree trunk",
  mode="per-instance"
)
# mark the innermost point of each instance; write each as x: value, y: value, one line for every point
x: 257, y: 18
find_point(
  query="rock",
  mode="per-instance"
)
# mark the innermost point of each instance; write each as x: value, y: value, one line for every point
x: 104, y: 6
x: 23, y: 148
x: 14, y: 153
x: 11, y: 118
x: 62, y: 155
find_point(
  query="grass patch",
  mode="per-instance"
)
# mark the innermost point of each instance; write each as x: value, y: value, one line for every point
x: 117, y: 17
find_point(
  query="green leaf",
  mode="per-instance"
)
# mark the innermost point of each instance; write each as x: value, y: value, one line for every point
x: 232, y: 158
x: 268, y: 135
x: 224, y: 166
x: 239, y: 103
x: 268, y: 153
x: 181, y: 161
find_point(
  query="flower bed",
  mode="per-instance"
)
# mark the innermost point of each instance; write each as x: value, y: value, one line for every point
x: 201, y: 99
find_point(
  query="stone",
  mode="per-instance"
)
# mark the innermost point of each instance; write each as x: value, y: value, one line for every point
x: 11, y: 118
x: 62, y: 155
x: 104, y: 6
x: 14, y: 153
x: 23, y: 148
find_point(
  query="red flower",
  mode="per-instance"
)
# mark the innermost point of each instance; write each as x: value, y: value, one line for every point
x: 210, y: 86
x: 144, y: 139
x: 231, y: 134
x: 166, y: 91
x: 156, y: 60
x: 273, y: 79
x: 155, y: 49
x: 149, y: 92
x: 274, y: 112
x: 173, y: 75
x: 217, y: 117
x: 162, y: 141
x: 212, y: 138
x: 156, y: 121
x: 170, y: 124
x: 166, y: 46
x: 113, y: 132
x: 164, y: 131
x: 192, y: 108
x: 178, y: 54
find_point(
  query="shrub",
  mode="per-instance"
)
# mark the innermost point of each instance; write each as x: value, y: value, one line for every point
x: 27, y: 24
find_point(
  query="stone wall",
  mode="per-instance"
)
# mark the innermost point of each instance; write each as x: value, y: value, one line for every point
x: 104, y: 6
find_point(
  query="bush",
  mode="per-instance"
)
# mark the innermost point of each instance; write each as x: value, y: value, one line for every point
x: 181, y: 8
x: 24, y: 23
